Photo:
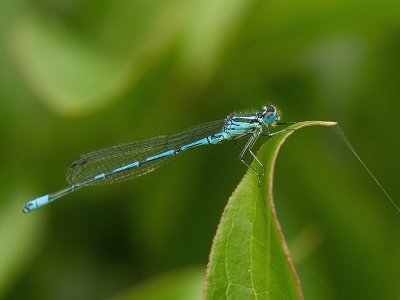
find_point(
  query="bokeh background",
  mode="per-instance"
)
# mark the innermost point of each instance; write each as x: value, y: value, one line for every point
x: 76, y: 76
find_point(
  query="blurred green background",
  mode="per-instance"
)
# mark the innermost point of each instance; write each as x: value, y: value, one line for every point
x: 76, y: 76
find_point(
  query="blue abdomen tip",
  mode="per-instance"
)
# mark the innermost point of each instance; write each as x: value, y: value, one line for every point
x: 35, y: 204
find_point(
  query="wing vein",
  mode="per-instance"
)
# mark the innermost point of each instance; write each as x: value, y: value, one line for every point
x: 85, y: 167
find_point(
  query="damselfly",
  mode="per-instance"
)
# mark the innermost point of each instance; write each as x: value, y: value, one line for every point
x: 126, y: 161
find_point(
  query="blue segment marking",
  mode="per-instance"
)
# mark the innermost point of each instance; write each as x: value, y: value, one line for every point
x: 123, y: 168
x: 163, y: 154
x: 195, y: 144
x: 100, y: 176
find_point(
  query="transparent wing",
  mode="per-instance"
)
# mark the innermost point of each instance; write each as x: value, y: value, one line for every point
x: 84, y: 168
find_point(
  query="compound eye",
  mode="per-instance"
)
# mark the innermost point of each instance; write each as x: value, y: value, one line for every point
x: 270, y: 110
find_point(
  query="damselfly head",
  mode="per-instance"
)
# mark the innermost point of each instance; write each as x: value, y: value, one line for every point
x: 270, y: 114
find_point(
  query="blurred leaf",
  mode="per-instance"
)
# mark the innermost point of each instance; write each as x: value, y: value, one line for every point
x: 178, y: 285
x: 352, y: 216
x: 249, y: 258
x: 19, y: 237
x: 204, y: 44
x: 73, y: 74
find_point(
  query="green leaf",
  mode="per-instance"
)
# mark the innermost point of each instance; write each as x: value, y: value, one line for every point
x: 249, y: 258
x: 176, y: 285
